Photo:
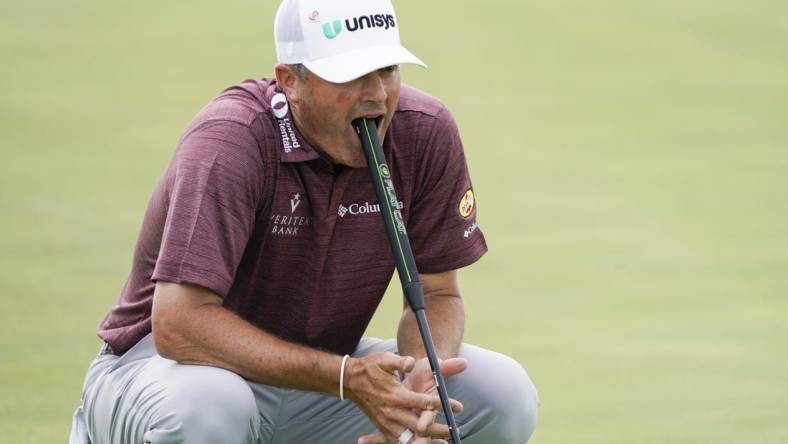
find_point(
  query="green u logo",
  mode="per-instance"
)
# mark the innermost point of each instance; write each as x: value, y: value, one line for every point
x: 331, y: 30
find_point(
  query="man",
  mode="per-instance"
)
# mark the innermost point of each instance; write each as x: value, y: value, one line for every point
x: 262, y: 258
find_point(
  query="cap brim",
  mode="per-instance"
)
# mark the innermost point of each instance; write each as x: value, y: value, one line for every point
x: 351, y: 65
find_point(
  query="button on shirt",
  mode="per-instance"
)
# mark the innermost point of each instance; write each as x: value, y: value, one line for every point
x: 295, y: 245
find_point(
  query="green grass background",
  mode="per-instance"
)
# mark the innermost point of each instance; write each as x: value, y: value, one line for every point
x: 630, y: 159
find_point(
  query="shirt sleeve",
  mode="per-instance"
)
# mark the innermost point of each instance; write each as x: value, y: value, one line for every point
x: 442, y: 224
x: 214, y: 185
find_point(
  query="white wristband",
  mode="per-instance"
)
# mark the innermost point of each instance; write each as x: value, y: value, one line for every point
x: 342, y: 378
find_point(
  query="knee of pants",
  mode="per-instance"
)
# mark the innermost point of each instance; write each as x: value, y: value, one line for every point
x: 503, y: 399
x: 204, y: 405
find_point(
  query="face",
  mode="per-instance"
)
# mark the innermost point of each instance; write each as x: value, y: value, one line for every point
x: 323, y: 111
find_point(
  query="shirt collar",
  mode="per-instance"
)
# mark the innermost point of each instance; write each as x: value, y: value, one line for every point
x: 294, y: 147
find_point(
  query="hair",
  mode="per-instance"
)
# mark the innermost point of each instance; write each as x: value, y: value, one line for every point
x: 300, y: 70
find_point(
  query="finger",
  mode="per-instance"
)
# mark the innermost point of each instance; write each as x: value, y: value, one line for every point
x: 426, y: 418
x: 376, y: 438
x: 437, y: 430
x: 390, y: 428
x: 453, y: 366
x: 427, y: 426
x: 371, y: 439
x: 419, y: 401
x: 423, y: 440
x: 456, y: 406
x: 392, y: 362
x: 402, y: 418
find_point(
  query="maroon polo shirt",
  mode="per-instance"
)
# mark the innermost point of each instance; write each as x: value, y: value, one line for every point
x: 249, y: 210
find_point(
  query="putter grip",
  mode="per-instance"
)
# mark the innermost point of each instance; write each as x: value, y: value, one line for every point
x: 390, y: 210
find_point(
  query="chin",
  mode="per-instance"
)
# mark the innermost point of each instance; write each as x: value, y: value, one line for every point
x: 354, y: 156
x: 357, y: 162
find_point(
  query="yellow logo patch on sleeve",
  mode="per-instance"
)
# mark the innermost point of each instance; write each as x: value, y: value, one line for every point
x: 467, y: 203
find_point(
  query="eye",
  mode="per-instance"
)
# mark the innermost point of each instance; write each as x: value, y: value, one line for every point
x: 390, y: 69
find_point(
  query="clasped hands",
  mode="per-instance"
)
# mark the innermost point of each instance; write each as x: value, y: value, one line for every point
x: 373, y: 383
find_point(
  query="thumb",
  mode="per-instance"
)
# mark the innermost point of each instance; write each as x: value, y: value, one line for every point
x: 453, y: 366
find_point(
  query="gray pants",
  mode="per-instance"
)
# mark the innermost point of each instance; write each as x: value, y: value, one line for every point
x: 144, y: 398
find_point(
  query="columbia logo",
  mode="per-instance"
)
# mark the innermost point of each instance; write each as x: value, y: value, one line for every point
x: 470, y: 230
x: 342, y: 211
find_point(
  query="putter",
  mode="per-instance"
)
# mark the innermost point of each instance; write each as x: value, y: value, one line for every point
x: 390, y: 209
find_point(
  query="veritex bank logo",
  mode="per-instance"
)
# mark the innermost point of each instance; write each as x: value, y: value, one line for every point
x: 333, y: 29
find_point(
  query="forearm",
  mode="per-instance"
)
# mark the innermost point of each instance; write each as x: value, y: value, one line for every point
x: 446, y: 318
x: 212, y: 335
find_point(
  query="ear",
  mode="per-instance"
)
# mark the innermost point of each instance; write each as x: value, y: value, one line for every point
x: 288, y: 81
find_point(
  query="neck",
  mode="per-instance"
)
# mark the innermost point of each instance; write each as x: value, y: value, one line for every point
x: 308, y: 134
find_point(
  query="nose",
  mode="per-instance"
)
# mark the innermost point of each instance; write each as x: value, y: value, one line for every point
x: 374, y: 88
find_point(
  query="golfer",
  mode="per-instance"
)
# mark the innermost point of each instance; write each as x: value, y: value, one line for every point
x: 262, y: 258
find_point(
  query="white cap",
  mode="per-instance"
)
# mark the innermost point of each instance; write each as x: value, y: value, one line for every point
x: 339, y: 40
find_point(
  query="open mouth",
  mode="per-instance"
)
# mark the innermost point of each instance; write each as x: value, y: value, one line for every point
x: 377, y: 119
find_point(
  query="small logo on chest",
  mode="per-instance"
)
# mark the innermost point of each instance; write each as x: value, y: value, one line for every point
x: 294, y: 202
x: 356, y: 209
x: 290, y: 224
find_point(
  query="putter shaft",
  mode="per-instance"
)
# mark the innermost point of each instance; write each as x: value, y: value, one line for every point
x: 403, y: 255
